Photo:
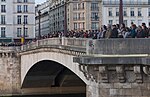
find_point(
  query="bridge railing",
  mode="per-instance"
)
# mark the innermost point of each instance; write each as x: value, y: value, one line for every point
x: 78, y: 44
x: 7, y: 48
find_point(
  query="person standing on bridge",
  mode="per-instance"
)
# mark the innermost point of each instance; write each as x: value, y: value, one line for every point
x: 114, y: 32
x: 145, y: 30
x: 108, y: 32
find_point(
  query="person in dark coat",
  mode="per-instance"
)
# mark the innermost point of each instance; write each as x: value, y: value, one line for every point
x: 140, y: 32
x: 114, y: 33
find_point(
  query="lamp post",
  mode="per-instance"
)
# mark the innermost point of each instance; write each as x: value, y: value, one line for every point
x: 121, y: 12
x: 24, y: 31
x: 65, y: 19
x: 23, y: 36
x: 39, y: 34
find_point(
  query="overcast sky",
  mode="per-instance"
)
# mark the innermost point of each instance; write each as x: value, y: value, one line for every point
x: 39, y: 1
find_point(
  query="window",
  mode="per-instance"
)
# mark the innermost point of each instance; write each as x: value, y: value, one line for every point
x: 79, y: 15
x: 95, y: 26
x: 109, y: 11
x: 3, y: 30
x: 3, y: 20
x: 94, y: 16
x: 25, y: 19
x: 82, y: 16
x: 132, y: 11
x: 125, y: 12
x: 139, y: 12
x: 83, y: 5
x: 19, y: 8
x: 19, y: 1
x: 80, y: 26
x: 75, y: 26
x: 19, y: 32
x: 19, y: 19
x: 75, y: 6
x: 125, y: 22
x: 3, y: 8
x: 3, y: 0
x: 94, y: 6
x: 117, y: 11
x: 26, y: 32
x: 110, y: 22
x: 74, y: 16
x: 25, y: 1
x: 25, y: 8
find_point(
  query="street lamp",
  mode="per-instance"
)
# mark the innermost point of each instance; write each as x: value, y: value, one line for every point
x: 23, y: 36
x: 121, y: 12
x: 65, y: 19
x: 39, y: 35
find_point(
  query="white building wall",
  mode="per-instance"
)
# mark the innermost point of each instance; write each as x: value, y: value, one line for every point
x: 8, y: 17
x: 133, y: 4
x: 11, y: 18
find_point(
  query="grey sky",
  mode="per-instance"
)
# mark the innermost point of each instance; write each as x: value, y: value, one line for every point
x: 39, y: 1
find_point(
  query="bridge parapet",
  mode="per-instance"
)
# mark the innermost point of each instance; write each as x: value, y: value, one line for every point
x: 57, y: 43
x: 119, y: 46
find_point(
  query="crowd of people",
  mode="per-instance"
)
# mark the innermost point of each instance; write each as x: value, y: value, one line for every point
x: 109, y: 31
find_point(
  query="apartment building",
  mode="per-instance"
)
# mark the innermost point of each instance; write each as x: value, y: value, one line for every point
x: 136, y: 11
x: 17, y: 19
x: 44, y: 18
x: 75, y: 14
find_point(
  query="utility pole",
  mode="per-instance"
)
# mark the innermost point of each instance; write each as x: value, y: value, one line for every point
x: 39, y: 34
x: 121, y: 12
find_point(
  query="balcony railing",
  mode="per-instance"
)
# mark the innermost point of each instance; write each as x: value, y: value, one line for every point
x: 75, y: 9
x: 79, y: 19
x: 125, y: 3
x: 94, y: 8
x: 94, y: 18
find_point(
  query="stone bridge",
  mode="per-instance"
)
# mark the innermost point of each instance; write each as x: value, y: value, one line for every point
x: 96, y: 68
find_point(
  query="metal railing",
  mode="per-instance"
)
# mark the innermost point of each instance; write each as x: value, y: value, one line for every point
x: 126, y: 3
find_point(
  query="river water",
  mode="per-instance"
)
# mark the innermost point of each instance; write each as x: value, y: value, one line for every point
x: 62, y: 95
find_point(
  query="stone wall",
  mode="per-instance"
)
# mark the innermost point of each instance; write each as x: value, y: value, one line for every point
x: 117, y: 80
x: 9, y: 72
x: 127, y: 82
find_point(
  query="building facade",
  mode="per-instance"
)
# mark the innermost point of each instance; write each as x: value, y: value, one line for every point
x: 17, y: 19
x: 136, y: 11
x: 44, y: 18
x: 75, y: 15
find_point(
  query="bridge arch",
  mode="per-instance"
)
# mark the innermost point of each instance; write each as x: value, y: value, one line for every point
x: 61, y: 59
x: 53, y: 73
